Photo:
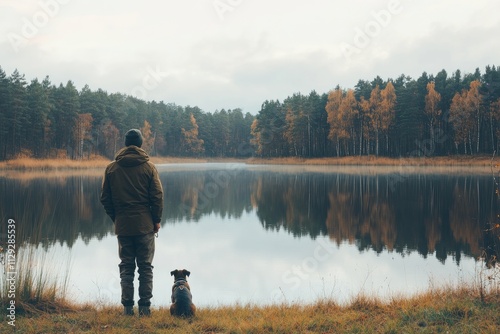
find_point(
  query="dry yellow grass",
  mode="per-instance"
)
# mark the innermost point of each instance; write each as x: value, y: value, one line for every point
x: 32, y: 164
x: 53, y: 164
x: 453, y: 311
x: 384, y: 161
x: 472, y: 308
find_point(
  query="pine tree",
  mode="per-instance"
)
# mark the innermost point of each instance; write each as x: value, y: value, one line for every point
x: 297, y: 124
x: 17, y: 115
x: 495, y: 114
x: 408, y: 121
x: 4, y: 105
x: 268, y: 130
x: 65, y: 116
x: 376, y: 115
x: 39, y: 109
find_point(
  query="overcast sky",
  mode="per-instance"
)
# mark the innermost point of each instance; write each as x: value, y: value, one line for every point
x: 230, y: 54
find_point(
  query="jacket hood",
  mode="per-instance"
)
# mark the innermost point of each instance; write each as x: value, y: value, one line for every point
x: 131, y: 156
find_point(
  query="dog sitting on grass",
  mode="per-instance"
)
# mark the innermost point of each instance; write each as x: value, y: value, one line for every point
x: 182, y: 304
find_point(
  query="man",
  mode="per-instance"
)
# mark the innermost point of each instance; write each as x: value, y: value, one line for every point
x: 132, y: 196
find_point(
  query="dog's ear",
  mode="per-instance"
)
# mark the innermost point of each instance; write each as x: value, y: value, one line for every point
x: 174, y: 272
x: 186, y: 272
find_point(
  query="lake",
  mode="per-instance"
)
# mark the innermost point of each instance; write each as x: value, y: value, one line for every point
x: 266, y: 234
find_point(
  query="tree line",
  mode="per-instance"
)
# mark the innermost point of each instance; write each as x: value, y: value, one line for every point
x: 43, y: 120
x: 432, y: 115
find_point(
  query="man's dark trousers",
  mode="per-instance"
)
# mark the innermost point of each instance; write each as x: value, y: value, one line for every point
x: 138, y: 249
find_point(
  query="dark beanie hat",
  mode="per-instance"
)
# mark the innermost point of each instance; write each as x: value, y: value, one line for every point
x: 133, y: 137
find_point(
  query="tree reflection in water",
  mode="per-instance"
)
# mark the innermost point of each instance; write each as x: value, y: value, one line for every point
x: 426, y: 213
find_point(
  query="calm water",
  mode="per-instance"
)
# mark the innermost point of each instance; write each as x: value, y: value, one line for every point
x: 261, y: 234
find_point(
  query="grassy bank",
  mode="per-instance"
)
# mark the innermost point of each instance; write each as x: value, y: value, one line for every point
x: 29, y: 164
x: 32, y: 164
x: 443, y: 311
x: 41, y: 307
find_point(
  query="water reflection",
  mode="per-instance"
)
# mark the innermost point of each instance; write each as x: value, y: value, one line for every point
x: 424, y: 213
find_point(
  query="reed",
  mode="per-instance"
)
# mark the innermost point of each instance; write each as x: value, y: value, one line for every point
x: 29, y: 275
x: 33, y: 282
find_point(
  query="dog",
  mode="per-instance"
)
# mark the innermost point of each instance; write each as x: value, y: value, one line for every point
x: 182, y: 300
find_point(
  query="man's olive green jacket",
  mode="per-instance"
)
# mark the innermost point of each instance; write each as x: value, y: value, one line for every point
x: 131, y: 192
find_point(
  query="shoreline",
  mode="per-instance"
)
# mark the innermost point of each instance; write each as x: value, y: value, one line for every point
x: 27, y: 169
x: 469, y: 161
x: 32, y: 164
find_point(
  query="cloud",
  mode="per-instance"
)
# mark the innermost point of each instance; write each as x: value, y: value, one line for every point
x: 259, y: 51
x: 442, y: 48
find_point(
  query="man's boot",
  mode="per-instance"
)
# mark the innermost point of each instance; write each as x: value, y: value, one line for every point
x: 128, y: 310
x: 144, y: 311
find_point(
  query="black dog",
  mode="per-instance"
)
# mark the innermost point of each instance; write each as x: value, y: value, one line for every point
x: 182, y: 304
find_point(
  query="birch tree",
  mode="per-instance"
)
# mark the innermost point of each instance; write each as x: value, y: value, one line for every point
x: 432, y: 100
x: 333, y: 118
x: 82, y: 131
x: 349, y: 113
x: 495, y: 114
x: 111, y: 138
x: 387, y: 111
x: 365, y: 135
x: 461, y: 119
x: 191, y: 142
x: 148, y: 138
x: 474, y: 101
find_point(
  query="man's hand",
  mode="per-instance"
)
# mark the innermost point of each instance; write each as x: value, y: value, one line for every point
x: 156, y: 227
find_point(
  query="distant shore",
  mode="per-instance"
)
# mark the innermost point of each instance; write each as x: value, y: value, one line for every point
x: 31, y: 164
x: 479, y: 161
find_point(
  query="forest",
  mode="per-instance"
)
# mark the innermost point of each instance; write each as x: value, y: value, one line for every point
x: 433, y: 115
